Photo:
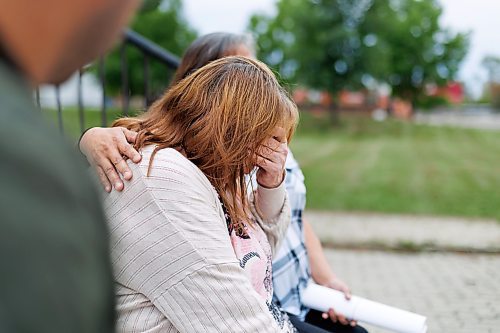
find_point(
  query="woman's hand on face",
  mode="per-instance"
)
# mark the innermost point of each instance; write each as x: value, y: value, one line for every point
x: 271, y: 158
x: 105, y: 149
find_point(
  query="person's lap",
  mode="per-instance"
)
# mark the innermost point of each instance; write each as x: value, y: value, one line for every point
x: 314, y: 323
x: 303, y: 327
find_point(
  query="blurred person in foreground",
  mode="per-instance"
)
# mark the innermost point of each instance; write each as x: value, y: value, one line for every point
x: 300, y: 256
x: 55, y: 272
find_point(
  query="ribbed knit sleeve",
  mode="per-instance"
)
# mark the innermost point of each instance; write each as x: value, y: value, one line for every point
x: 173, y: 261
x: 271, y: 209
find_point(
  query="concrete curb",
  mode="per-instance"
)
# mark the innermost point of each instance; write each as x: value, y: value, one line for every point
x: 406, y: 233
x: 409, y: 248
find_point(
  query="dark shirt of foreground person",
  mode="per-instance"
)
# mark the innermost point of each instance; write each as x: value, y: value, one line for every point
x: 55, y: 274
x: 55, y: 270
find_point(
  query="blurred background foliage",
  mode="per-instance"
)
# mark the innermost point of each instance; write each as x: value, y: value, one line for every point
x: 327, y: 45
x: 345, y: 44
x: 162, y: 22
x: 388, y: 165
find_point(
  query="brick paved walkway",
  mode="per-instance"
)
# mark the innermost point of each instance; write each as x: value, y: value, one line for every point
x: 458, y: 293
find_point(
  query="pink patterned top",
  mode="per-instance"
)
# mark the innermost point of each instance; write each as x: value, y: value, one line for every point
x: 253, y: 251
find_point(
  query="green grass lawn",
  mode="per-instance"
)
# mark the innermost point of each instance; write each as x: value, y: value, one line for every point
x: 390, y: 167
x: 398, y: 167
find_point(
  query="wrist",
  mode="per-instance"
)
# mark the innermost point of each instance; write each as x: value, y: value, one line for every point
x: 272, y: 185
x: 270, y: 200
x: 325, y: 280
x: 81, y: 141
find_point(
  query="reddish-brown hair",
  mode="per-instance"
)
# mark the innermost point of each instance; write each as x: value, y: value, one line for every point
x: 218, y: 116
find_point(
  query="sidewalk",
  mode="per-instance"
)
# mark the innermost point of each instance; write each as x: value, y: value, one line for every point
x: 405, y: 232
x: 457, y: 292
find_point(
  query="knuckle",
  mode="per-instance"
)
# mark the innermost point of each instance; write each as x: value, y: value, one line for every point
x: 110, y: 171
x: 105, y: 148
x: 100, y: 173
x: 130, y: 150
x: 122, y: 167
x: 127, y: 148
x: 116, y: 159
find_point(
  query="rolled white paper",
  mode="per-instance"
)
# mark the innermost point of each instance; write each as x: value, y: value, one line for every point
x: 360, y: 309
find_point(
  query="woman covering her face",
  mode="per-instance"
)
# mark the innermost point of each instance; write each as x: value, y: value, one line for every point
x: 191, y: 249
x: 300, y: 257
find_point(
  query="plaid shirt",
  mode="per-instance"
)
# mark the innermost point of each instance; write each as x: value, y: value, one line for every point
x: 291, y: 270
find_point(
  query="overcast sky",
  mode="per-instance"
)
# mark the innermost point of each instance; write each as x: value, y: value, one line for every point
x: 481, y: 17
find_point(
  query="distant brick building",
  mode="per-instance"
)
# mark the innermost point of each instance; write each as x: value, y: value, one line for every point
x: 368, y: 101
x: 453, y: 92
x: 363, y: 100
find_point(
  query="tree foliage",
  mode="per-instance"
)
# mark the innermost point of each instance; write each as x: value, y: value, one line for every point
x: 350, y: 44
x: 422, y: 51
x: 161, y: 22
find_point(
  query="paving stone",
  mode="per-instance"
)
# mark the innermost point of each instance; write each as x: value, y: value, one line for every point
x: 458, y: 293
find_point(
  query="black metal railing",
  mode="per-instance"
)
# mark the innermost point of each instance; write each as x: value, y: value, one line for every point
x: 150, y: 52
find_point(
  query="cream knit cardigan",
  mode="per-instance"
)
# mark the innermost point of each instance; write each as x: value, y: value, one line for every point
x: 174, y: 266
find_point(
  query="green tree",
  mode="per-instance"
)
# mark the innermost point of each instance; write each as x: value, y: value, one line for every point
x: 319, y: 44
x: 338, y: 44
x: 422, y: 50
x: 161, y: 22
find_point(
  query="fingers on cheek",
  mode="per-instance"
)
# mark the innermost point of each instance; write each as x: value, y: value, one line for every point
x: 274, y: 145
x: 266, y: 151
